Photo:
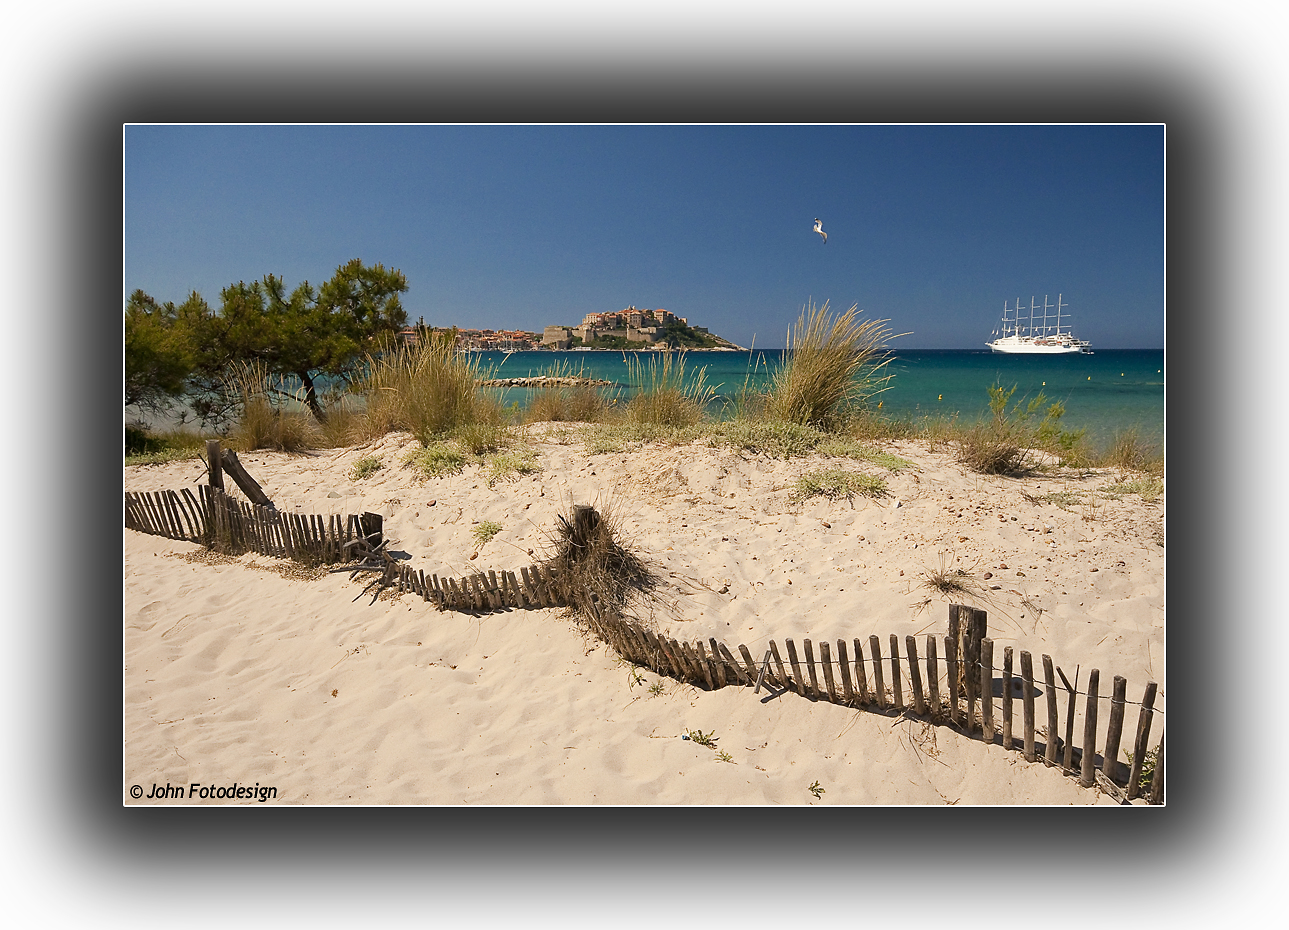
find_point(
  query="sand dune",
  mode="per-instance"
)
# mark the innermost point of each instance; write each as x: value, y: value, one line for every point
x: 244, y: 671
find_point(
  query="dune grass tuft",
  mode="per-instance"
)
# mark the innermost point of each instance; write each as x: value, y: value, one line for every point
x: 432, y: 392
x: 595, y: 571
x: 262, y: 424
x: 568, y: 403
x: 666, y: 398
x: 833, y: 365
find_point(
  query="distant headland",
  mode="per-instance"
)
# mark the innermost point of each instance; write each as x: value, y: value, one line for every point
x: 617, y: 330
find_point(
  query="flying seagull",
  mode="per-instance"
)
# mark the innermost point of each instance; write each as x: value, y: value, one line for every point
x: 819, y: 228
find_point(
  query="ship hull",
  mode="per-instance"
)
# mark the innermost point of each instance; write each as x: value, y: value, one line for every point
x: 1029, y: 348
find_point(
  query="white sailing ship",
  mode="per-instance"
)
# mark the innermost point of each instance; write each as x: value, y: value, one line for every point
x: 1035, y: 335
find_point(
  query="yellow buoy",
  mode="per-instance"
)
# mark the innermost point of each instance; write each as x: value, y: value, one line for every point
x: 1089, y: 377
x: 941, y: 397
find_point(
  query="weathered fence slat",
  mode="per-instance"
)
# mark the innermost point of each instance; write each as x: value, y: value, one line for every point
x: 932, y: 674
x: 987, y: 690
x: 748, y: 663
x: 1086, y: 777
x: 1143, y: 739
x: 1049, y: 681
x: 1157, y: 782
x: 784, y: 682
x: 1007, y: 697
x: 732, y: 664
x: 1067, y: 758
x: 717, y: 668
x: 843, y: 665
x: 897, y: 692
x: 915, y: 674
x: 879, y: 686
x: 1027, y: 702
x: 951, y: 663
x: 1114, y: 729
x: 861, y: 679
x: 810, y: 666
x: 825, y: 657
x: 798, y: 682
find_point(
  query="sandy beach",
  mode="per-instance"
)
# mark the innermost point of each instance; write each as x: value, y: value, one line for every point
x: 251, y: 672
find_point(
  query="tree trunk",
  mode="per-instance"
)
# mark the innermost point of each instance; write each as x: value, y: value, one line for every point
x: 311, y: 397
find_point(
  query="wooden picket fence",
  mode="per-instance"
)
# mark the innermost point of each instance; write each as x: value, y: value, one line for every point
x: 216, y: 520
x: 220, y: 522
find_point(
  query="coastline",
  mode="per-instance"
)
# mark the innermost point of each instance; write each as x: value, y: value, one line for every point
x: 231, y: 667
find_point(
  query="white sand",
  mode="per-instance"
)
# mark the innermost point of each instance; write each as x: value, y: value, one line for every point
x: 234, y: 673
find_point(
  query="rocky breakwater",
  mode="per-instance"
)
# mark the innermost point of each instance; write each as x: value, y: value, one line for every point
x: 543, y: 381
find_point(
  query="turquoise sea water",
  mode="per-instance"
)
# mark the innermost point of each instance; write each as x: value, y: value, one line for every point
x: 1108, y: 392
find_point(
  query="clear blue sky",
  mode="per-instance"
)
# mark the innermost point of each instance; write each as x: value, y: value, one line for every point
x: 931, y: 227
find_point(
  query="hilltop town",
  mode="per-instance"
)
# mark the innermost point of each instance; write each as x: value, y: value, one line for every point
x: 630, y: 328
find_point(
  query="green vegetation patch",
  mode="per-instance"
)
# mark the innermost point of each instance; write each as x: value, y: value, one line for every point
x: 1063, y: 499
x: 836, y: 483
x: 1149, y: 488
x: 506, y: 466
x: 437, y: 460
x: 484, y: 531
x: 365, y: 467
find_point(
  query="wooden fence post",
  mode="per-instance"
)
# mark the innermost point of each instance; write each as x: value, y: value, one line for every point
x: 915, y: 674
x: 987, y: 690
x: 215, y: 464
x: 951, y: 664
x: 861, y: 679
x: 1027, y: 698
x: 1157, y: 783
x: 1007, y: 697
x: 810, y: 664
x: 825, y: 658
x: 879, y: 686
x: 932, y: 674
x: 1114, y: 729
x: 1143, y: 739
x: 798, y: 682
x: 1087, y: 778
x: 896, y: 685
x: 1049, y: 680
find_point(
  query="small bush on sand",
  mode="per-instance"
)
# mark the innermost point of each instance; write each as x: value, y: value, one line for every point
x: 666, y: 398
x: 484, y: 531
x: 438, y: 460
x: 1148, y: 488
x: 595, y: 572
x: 365, y: 467
x: 832, y: 366
x: 429, y: 390
x: 1004, y: 443
x: 505, y: 466
x: 837, y: 483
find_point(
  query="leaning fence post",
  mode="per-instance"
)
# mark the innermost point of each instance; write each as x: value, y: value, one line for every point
x: 1027, y: 697
x: 215, y: 464
x: 1114, y: 729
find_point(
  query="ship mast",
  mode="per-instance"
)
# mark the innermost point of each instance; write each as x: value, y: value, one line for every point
x: 1058, y: 314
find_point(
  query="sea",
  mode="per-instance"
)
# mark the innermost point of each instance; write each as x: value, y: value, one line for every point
x: 1106, y: 393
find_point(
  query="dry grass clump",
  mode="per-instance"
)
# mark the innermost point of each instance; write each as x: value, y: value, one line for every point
x: 429, y: 390
x: 950, y: 581
x: 594, y: 571
x: 262, y: 424
x: 1128, y: 452
x: 832, y: 366
x: 666, y: 399
x: 576, y: 403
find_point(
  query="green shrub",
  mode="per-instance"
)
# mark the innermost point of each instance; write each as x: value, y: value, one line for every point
x: 1003, y: 444
x: 507, y: 465
x: 484, y: 531
x: 437, y: 460
x: 365, y: 467
x: 836, y: 483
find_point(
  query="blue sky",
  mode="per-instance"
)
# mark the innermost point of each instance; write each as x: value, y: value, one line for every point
x: 930, y: 227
